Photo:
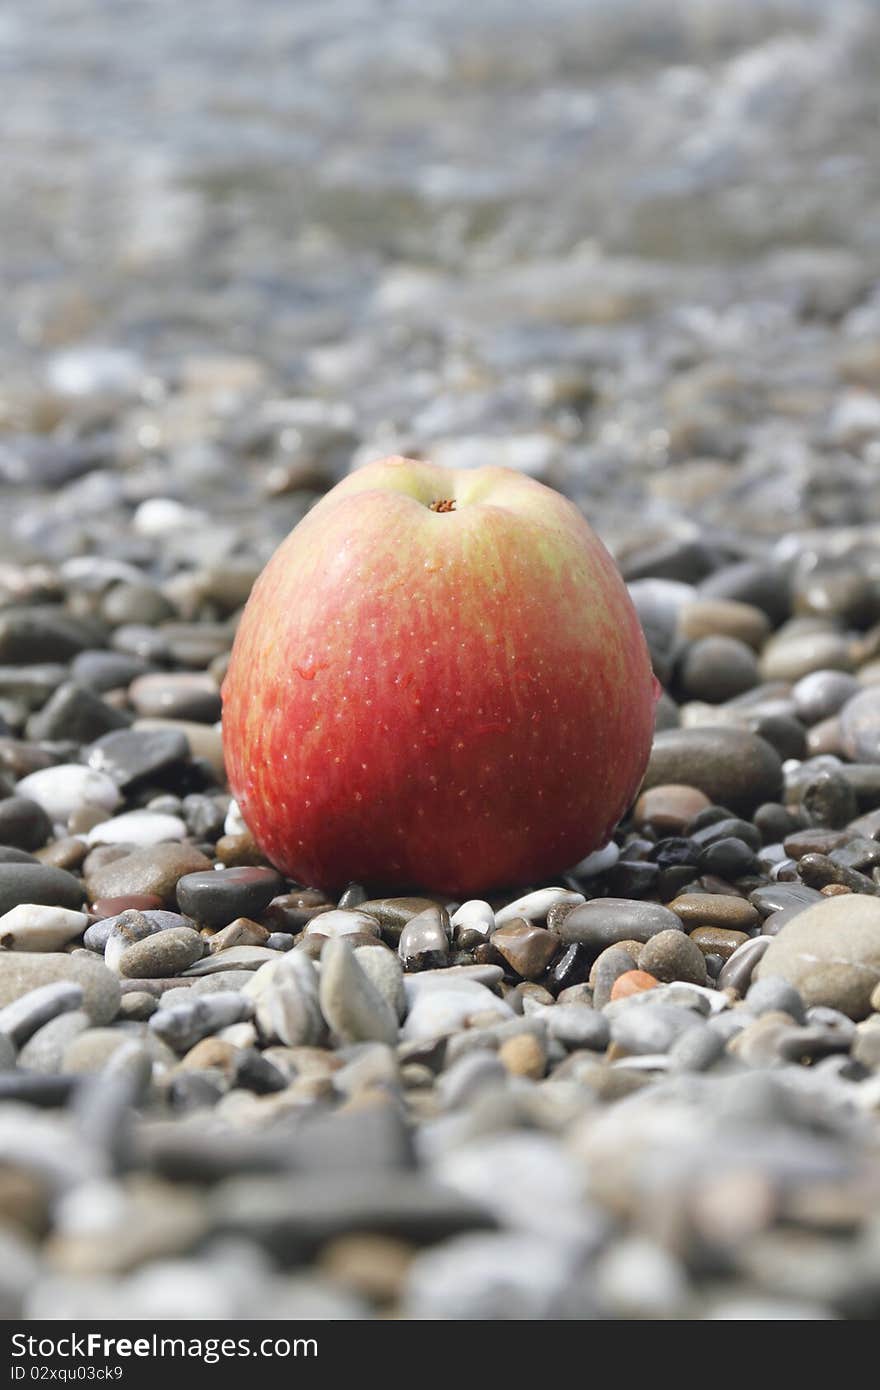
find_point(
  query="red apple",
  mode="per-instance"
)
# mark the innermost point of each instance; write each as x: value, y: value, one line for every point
x: 439, y: 682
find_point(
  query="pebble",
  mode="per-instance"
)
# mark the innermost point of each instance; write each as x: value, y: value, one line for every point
x: 141, y: 828
x: 716, y: 669
x: 651, y: 1027
x: 155, y: 871
x: 241, y: 932
x: 424, y: 943
x: 524, y: 1055
x: 345, y: 922
x: 286, y: 997
x: 23, y: 823
x: 443, y: 1010
x: 32, y: 1010
x: 21, y: 972
x: 704, y: 617
x: 215, y: 899
x: 773, y: 994
x: 176, y: 695
x: 162, y: 953
x: 791, y: 656
x: 822, y: 694
x: 732, y: 767
x: 718, y: 941
x: 607, y: 921
x: 671, y: 955
x: 860, y: 726
x: 720, y: 910
x: 384, y: 970
x: 632, y: 982
x: 578, y: 1026
x: 38, y: 884
x: 534, y: 907
x: 77, y: 714
x: 238, y: 958
x: 830, y: 954
x: 35, y: 927
x: 128, y: 756
x: 670, y: 808
x: 350, y: 1002
x: 608, y: 966
x: 45, y: 1048
x: 183, y: 1024
x: 62, y: 789
x: 476, y: 916
x: 527, y: 949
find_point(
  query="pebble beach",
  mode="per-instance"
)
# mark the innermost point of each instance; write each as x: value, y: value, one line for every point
x: 632, y: 250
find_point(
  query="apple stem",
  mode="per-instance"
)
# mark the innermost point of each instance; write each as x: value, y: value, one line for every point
x: 443, y: 504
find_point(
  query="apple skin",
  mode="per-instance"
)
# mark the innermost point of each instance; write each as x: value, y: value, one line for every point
x: 451, y: 700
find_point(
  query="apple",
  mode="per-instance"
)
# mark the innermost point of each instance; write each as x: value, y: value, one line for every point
x: 439, y: 682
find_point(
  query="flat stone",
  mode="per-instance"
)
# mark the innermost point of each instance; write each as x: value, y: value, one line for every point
x: 154, y: 871
x: 716, y: 617
x: 577, y: 1026
x: 606, y: 921
x: 241, y: 932
x: 76, y: 713
x: 187, y: 695
x: 20, y: 972
x: 534, y: 907
x: 233, y: 958
x: 830, y: 953
x: 35, y: 927
x: 342, y: 922
x: 789, y: 657
x: 715, y: 910
x: 38, y: 883
x: 217, y: 897
x: 392, y: 914
x: 731, y: 766
x: 34, y: 635
x: 444, y: 1009
x: 718, y: 941
x: 131, y: 755
x: 182, y: 1025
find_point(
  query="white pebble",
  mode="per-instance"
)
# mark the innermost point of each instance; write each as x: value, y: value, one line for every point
x: 138, y: 828
x: 476, y: 915
x: 158, y: 516
x: 33, y: 927
x: 597, y: 862
x: 234, y: 822
x: 64, y: 789
x: 436, y: 1012
x: 342, y: 922
x: 536, y: 905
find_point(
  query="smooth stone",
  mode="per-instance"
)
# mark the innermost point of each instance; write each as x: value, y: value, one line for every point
x: 772, y: 994
x: 63, y: 789
x: 670, y: 808
x: 751, y: 582
x: 141, y: 828
x: 737, y: 971
x: 830, y: 953
x: 21, y: 972
x: 350, y: 1002
x: 791, y: 656
x: 131, y: 755
x: 392, y: 914
x: 203, y: 741
x: 779, y: 897
x: 241, y: 932
x: 102, y: 670
x: 822, y: 694
x: 31, y: 635
x: 716, y: 669
x: 607, y: 969
x: 98, y: 934
x: 707, y: 617
x: 715, y: 910
x: 75, y: 713
x: 732, y: 767
x: 35, y: 927
x: 528, y: 949
x: 671, y: 955
x: 860, y: 726
x: 31, y: 686
x: 533, y: 907
x: 476, y: 915
x: 33, y: 1010
x: 162, y: 953
x: 233, y: 958
x: 23, y: 823
x: 596, y: 863
x: 40, y: 884
x: 424, y: 941
x: 155, y: 871
x: 187, y: 695
x: 342, y: 922
x: 217, y: 897
x: 720, y: 942
x: 606, y: 921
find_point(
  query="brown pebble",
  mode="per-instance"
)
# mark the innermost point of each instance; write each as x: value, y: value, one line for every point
x: 526, y: 948
x: 138, y: 902
x: 209, y: 1053
x: 85, y: 818
x: 66, y: 853
x: 718, y: 941
x: 241, y: 932
x: 239, y: 851
x: 670, y: 807
x: 825, y: 737
x: 802, y: 842
x: 524, y: 1055
x: 833, y: 890
x: 632, y: 982
x: 715, y: 910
